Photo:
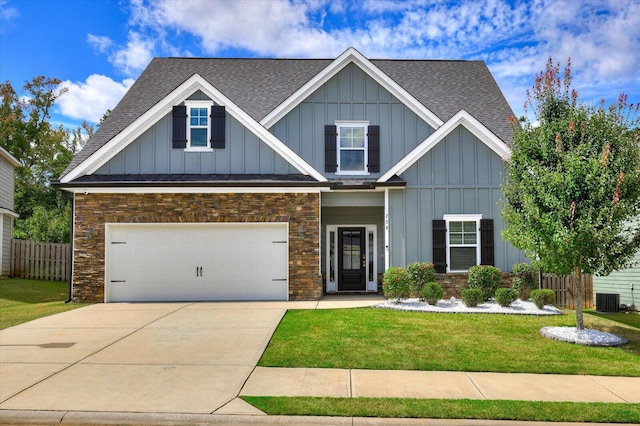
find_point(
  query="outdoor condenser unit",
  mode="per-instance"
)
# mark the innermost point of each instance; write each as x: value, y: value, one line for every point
x: 607, y: 302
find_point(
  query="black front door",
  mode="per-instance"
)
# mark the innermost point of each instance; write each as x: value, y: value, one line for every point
x: 351, y: 259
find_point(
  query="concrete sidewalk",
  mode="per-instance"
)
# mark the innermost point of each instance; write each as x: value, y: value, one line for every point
x: 340, y: 383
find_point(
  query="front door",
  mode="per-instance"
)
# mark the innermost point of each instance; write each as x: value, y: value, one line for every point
x: 352, y: 262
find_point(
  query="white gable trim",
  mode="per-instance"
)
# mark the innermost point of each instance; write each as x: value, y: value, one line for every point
x: 159, y: 110
x: 351, y: 55
x: 10, y: 158
x: 461, y: 118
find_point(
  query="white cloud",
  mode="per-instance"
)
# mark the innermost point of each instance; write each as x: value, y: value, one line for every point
x: 100, y: 43
x: 133, y: 58
x: 89, y: 100
x: 7, y: 14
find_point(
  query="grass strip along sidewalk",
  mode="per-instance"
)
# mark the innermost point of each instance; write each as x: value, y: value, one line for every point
x: 449, y: 409
x: 26, y: 300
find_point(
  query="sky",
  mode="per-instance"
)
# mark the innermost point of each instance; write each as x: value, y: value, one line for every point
x: 99, y: 47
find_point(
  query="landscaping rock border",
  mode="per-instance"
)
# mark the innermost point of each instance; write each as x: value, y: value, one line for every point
x: 586, y: 337
x: 519, y: 307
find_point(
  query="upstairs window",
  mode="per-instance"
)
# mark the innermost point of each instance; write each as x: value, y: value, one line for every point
x: 352, y: 147
x: 198, y: 132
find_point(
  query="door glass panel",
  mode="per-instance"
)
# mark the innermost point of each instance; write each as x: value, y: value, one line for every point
x: 332, y: 248
x: 371, y: 271
x: 351, y: 250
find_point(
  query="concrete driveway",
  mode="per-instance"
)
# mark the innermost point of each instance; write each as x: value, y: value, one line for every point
x: 160, y: 357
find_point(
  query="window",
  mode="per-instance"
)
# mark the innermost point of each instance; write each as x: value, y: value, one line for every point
x: 198, y: 131
x: 352, y: 147
x: 463, y: 239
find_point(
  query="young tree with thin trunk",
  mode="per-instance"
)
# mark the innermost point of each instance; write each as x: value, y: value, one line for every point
x: 572, y: 182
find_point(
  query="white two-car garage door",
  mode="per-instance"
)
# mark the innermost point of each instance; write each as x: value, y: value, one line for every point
x: 196, y: 262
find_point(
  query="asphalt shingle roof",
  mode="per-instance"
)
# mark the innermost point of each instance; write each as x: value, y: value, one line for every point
x: 259, y: 85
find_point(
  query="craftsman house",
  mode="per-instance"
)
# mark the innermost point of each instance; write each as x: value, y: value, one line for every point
x: 8, y: 164
x: 284, y: 179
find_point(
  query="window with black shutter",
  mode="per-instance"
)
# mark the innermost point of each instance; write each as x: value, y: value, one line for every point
x: 374, y: 148
x: 461, y: 241
x: 199, y: 126
x: 179, y: 126
x: 330, y: 143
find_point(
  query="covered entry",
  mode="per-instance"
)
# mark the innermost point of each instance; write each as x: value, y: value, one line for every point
x: 196, y: 262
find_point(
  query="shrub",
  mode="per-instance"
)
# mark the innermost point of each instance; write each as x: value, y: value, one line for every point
x: 505, y: 296
x: 421, y: 273
x: 523, y: 282
x: 396, y: 283
x: 486, y: 278
x: 472, y: 297
x: 432, y: 292
x: 543, y: 297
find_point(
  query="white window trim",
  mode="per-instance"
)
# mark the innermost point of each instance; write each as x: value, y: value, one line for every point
x: 198, y: 104
x: 332, y: 285
x: 365, y: 125
x: 463, y: 218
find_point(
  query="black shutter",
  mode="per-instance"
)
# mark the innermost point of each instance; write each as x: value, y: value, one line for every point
x: 486, y: 242
x: 179, y: 127
x: 218, y: 121
x: 440, y: 245
x: 374, y: 149
x: 330, y: 154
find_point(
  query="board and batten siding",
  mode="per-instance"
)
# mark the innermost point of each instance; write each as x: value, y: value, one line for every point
x: 351, y: 95
x: 619, y: 282
x: 152, y: 153
x: 460, y: 175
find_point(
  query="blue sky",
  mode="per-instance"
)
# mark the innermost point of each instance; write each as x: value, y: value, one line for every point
x: 99, y: 47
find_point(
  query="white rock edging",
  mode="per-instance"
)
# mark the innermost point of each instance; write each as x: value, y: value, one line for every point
x: 586, y: 337
x: 519, y: 307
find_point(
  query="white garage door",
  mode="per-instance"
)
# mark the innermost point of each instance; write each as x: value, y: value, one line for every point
x: 196, y: 262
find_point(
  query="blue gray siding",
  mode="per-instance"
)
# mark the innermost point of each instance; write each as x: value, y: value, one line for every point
x: 351, y: 95
x: 152, y: 153
x: 619, y: 282
x: 460, y: 175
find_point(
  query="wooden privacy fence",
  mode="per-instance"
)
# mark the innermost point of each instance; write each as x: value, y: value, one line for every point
x: 40, y: 261
x: 566, y: 291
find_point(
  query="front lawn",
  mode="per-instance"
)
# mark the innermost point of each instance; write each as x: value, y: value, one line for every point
x: 393, y: 340
x: 26, y: 300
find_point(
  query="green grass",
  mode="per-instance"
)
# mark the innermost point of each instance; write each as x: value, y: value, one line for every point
x: 26, y: 300
x: 449, y: 409
x: 393, y: 340
x: 631, y: 318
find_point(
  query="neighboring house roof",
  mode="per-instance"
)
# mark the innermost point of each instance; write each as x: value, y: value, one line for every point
x: 259, y: 86
x: 10, y: 158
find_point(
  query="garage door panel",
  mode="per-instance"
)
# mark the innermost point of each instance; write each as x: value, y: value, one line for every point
x: 186, y: 262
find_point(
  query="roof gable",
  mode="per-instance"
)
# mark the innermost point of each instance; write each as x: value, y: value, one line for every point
x: 103, y: 154
x: 10, y: 158
x: 462, y: 118
x: 349, y: 56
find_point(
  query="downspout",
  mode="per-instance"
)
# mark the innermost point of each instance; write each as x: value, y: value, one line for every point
x: 73, y: 211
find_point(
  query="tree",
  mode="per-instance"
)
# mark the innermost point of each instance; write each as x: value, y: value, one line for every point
x: 572, y: 182
x: 45, y: 151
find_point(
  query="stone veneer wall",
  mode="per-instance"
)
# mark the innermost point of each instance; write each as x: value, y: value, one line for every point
x: 453, y: 284
x: 298, y: 209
